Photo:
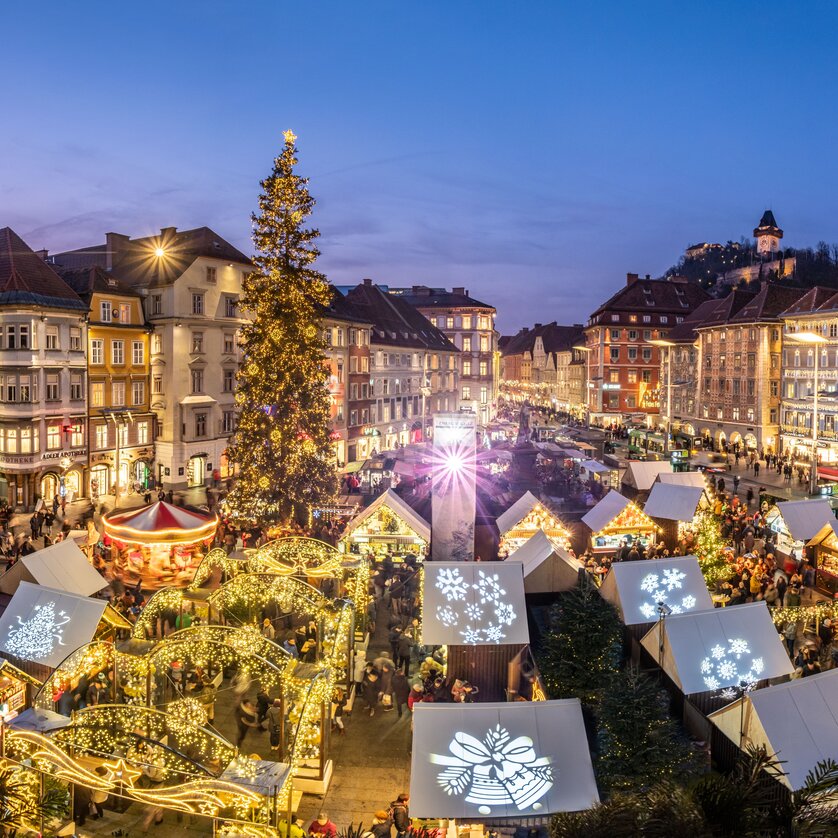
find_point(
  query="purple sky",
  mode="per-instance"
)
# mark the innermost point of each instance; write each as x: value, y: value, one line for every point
x: 533, y: 152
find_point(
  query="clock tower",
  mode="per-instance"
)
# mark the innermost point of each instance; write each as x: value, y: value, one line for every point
x: 768, y: 236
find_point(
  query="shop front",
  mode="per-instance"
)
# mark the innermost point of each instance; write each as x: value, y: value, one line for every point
x: 526, y: 517
x: 824, y: 549
x: 616, y: 522
x: 796, y: 522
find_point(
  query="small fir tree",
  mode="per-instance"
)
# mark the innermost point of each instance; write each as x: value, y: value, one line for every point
x: 281, y: 446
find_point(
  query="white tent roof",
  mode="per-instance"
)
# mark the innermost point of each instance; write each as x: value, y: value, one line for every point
x: 517, y: 512
x: 63, y: 567
x: 541, y: 746
x: 796, y: 721
x: 596, y: 466
x: 474, y: 603
x: 547, y: 566
x: 710, y: 650
x: 45, y: 625
x: 611, y: 505
x: 683, y: 478
x: 399, y: 507
x: 828, y: 530
x: 636, y: 588
x: 672, y: 502
x: 803, y: 518
x: 641, y: 474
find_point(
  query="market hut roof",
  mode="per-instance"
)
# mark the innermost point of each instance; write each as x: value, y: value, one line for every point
x: 641, y: 474
x: 541, y: 746
x: 63, y: 567
x: 796, y: 721
x: 636, y: 588
x: 609, y: 511
x: 683, y: 478
x: 519, y: 510
x: 827, y: 534
x: 44, y: 625
x: 672, y: 502
x: 719, y: 648
x: 399, y: 508
x: 160, y: 523
x: 803, y: 518
x: 547, y: 566
x: 596, y: 467
x: 474, y: 603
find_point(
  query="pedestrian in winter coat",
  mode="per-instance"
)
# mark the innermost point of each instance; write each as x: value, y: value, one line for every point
x: 401, y: 690
x: 405, y: 650
x: 370, y: 690
x: 401, y: 815
x: 382, y: 826
x: 323, y: 827
x: 274, y: 720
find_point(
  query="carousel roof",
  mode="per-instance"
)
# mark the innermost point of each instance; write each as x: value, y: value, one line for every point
x: 158, y: 523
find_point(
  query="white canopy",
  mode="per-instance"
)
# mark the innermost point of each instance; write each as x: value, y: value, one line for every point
x: 803, y: 518
x: 796, y: 721
x: 683, y: 478
x: 611, y: 505
x: 710, y: 650
x: 474, y: 603
x: 547, y: 566
x: 673, y: 502
x: 641, y: 474
x: 45, y: 625
x: 63, y: 567
x: 517, y: 512
x: 505, y: 759
x: 596, y: 467
x: 399, y: 508
x: 636, y: 588
x: 828, y: 532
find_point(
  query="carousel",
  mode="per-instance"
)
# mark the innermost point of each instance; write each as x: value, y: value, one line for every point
x: 159, y: 545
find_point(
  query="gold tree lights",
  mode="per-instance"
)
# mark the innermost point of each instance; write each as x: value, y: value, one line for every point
x: 281, y: 446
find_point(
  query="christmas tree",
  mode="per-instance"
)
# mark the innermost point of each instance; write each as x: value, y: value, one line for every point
x: 281, y: 446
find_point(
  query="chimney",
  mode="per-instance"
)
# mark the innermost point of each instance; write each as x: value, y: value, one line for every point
x: 367, y: 281
x: 677, y: 278
x: 167, y: 232
x: 461, y: 291
x: 538, y: 325
x: 114, y: 243
x: 631, y: 279
x: 648, y: 277
x: 44, y: 254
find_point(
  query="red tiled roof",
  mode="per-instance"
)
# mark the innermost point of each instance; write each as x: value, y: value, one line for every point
x: 666, y: 296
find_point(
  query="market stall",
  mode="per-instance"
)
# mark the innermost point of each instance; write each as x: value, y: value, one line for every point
x: 607, y: 476
x: 640, y: 476
x: 63, y: 567
x: 160, y: 545
x: 796, y: 522
x: 387, y: 527
x: 548, y: 568
x: 674, y: 507
x: 16, y: 690
x: 616, y: 522
x: 527, y: 516
x: 824, y: 547
x: 683, y: 478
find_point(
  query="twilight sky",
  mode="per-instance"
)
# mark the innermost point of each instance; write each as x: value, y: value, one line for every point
x: 531, y: 151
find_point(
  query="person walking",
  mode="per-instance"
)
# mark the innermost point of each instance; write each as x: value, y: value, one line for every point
x: 245, y: 719
x: 400, y: 813
x: 370, y: 690
x: 382, y: 825
x: 263, y: 703
x: 274, y: 719
x: 405, y: 650
x: 401, y: 690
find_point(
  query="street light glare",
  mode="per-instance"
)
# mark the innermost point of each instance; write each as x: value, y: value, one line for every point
x: 806, y: 337
x: 159, y: 252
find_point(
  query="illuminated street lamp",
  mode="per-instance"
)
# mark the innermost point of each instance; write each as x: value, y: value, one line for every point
x: 812, y: 338
x: 668, y: 344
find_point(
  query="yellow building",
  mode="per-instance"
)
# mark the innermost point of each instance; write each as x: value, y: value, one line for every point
x: 120, y: 423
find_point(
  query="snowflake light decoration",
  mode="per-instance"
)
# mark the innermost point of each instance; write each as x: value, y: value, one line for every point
x: 505, y: 613
x: 494, y: 634
x: 495, y: 771
x: 660, y: 587
x: 452, y: 584
x: 474, y: 611
x: 729, y: 666
x: 488, y: 588
x: 446, y: 615
x: 471, y: 635
x: 35, y: 638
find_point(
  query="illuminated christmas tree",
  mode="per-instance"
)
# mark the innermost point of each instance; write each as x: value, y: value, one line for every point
x: 281, y: 446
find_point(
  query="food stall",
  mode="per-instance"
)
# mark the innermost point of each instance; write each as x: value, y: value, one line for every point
x: 796, y: 522
x: 387, y: 527
x: 16, y: 690
x: 824, y: 547
x: 159, y: 545
x: 527, y: 516
x: 616, y: 520
x: 607, y: 476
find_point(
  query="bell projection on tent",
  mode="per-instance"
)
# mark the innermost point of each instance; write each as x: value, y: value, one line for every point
x: 469, y: 604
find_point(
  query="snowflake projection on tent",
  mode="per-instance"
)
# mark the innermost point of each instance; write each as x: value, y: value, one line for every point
x: 660, y: 588
x: 484, y: 615
x: 731, y: 666
x: 495, y: 771
x: 35, y: 638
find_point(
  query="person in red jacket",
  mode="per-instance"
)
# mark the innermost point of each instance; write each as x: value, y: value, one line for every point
x: 322, y: 826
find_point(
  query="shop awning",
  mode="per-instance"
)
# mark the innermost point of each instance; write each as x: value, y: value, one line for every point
x: 636, y: 588
x: 44, y: 625
x: 351, y: 468
x: 710, y: 650
x: 670, y: 502
x: 62, y: 567
x: 548, y: 568
x: 796, y: 721
x: 160, y: 523
x: 501, y: 760
x: 803, y: 518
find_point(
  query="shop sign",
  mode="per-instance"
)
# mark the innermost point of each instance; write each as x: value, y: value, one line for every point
x: 679, y: 455
x: 370, y: 431
x: 610, y: 386
x: 58, y: 455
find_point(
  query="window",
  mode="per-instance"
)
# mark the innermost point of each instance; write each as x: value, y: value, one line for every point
x: 632, y: 334
x: 197, y: 381
x: 647, y: 353
x: 632, y: 376
x: 772, y: 414
x: 647, y: 334
x: 76, y: 435
x: 230, y: 305
x: 137, y: 353
x: 615, y: 334
x: 229, y: 343
x: 157, y: 384
x: 200, y: 424
x: 484, y: 368
x: 124, y: 313
x: 752, y: 360
x: 647, y: 318
x: 51, y: 338
x: 632, y: 353
x: 614, y: 376
x: 53, y: 387
x: 775, y: 389
x: 97, y: 393
x: 228, y: 420
x: 484, y: 321
x: 449, y: 322
x: 76, y: 390
x: 466, y: 321
x: 228, y: 382
x: 749, y: 414
x: 466, y: 366
x: 736, y: 386
x: 137, y: 393
x: 117, y: 352
x: 631, y: 401
x: 646, y: 376
x: 122, y: 435
x: 789, y: 389
x: 615, y: 354
x: 484, y: 395
x: 156, y: 304
x: 53, y: 437
x: 26, y: 439
x: 97, y: 352
x: 101, y: 436
x: 466, y: 393
x: 197, y: 303
x: 75, y: 339
x: 466, y: 343
x: 197, y: 342
x: 484, y: 343
x: 105, y: 311
x: 212, y: 275
x: 722, y: 362
x: 142, y: 433
x: 117, y: 393
x: 735, y: 414
x: 156, y: 344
